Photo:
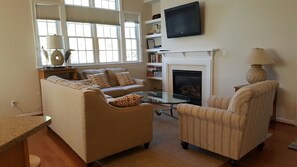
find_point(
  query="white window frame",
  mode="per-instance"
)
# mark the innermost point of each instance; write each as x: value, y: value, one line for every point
x: 137, y: 38
x: 62, y: 29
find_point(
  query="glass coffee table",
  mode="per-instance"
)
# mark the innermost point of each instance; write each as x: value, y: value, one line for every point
x: 163, y: 98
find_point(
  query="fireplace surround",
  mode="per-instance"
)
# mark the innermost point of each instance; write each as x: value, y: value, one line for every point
x: 201, y: 61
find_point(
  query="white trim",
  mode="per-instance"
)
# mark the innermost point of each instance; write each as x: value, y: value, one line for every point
x: 287, y: 121
x: 31, y: 114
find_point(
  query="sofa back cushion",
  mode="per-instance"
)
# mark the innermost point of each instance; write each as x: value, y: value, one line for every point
x: 111, y: 77
x: 124, y: 78
x: 76, y: 85
x: 86, y: 73
x: 99, y: 79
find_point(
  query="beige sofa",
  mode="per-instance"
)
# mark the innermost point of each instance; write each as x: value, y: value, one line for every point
x: 115, y: 90
x: 230, y: 127
x: 92, y: 127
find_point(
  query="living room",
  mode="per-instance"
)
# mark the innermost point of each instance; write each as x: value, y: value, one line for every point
x: 233, y: 27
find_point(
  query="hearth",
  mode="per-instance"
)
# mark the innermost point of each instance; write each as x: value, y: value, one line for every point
x: 188, y: 83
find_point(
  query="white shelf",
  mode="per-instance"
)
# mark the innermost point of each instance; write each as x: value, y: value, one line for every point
x: 155, y: 78
x: 154, y: 64
x: 211, y: 52
x: 154, y: 21
x: 153, y: 36
x: 151, y: 1
x: 153, y: 50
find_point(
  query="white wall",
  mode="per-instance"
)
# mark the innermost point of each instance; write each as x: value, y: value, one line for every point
x: 237, y: 26
x: 17, y: 58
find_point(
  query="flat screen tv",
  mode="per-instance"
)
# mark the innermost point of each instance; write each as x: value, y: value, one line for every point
x: 183, y: 20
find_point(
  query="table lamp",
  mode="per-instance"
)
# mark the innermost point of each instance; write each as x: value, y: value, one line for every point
x: 256, y: 59
x: 55, y: 42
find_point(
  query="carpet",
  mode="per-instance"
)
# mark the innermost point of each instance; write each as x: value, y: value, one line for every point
x: 164, y: 151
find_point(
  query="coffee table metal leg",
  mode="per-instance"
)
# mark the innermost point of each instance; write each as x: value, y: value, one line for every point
x: 159, y: 112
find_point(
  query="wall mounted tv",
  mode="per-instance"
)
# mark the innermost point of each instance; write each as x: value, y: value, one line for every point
x: 183, y: 20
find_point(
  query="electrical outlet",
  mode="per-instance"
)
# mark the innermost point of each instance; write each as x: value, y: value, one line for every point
x: 13, y: 103
x: 224, y: 53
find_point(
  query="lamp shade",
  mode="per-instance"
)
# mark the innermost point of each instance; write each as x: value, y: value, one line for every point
x: 258, y: 56
x: 54, y: 42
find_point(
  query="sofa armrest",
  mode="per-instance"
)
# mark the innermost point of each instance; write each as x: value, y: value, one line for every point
x: 214, y: 115
x: 218, y: 102
x: 139, y: 81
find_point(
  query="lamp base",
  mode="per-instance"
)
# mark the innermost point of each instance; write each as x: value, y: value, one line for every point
x: 57, y: 58
x: 255, y: 74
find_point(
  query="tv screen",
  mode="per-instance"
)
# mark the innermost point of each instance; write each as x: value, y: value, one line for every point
x: 183, y: 20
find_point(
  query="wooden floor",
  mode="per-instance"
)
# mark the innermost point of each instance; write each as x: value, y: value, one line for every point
x: 55, y: 153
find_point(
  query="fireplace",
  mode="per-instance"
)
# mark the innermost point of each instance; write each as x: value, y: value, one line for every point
x: 195, y: 61
x: 188, y: 83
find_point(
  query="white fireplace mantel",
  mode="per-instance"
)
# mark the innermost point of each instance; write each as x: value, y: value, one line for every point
x: 211, y: 52
x: 189, y: 60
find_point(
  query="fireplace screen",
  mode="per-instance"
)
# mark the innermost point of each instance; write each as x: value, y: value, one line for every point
x: 188, y: 83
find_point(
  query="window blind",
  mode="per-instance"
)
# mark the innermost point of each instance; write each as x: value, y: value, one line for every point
x: 48, y: 12
x: 92, y: 15
x: 131, y: 17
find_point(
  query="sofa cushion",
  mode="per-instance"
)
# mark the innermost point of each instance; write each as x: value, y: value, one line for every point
x: 87, y: 82
x: 133, y: 88
x: 99, y: 79
x: 86, y: 73
x: 111, y: 77
x: 77, y: 86
x: 54, y: 79
x: 124, y: 78
x: 126, y: 101
x: 114, y: 91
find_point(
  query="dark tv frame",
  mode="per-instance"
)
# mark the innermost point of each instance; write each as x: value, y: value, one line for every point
x: 180, y: 9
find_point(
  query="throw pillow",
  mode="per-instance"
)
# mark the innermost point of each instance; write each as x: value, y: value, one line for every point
x: 99, y: 79
x: 126, y: 101
x: 124, y: 78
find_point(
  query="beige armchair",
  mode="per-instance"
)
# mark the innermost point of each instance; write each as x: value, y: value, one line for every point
x: 230, y: 127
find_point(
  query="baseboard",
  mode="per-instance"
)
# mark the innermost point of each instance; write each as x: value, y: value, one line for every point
x: 287, y: 121
x: 31, y: 114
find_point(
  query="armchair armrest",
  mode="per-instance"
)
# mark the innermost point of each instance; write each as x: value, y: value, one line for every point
x: 139, y: 81
x: 214, y: 115
x: 218, y: 102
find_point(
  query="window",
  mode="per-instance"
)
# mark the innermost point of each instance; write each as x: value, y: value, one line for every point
x: 94, y: 30
x: 108, y: 43
x: 45, y: 27
x: 77, y: 2
x: 106, y: 4
x: 80, y: 39
x: 131, y: 39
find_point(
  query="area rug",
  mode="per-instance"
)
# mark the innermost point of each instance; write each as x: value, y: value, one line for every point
x: 164, y: 151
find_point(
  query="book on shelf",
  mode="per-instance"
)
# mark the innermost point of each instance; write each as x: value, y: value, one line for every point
x: 154, y: 71
x: 155, y: 58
